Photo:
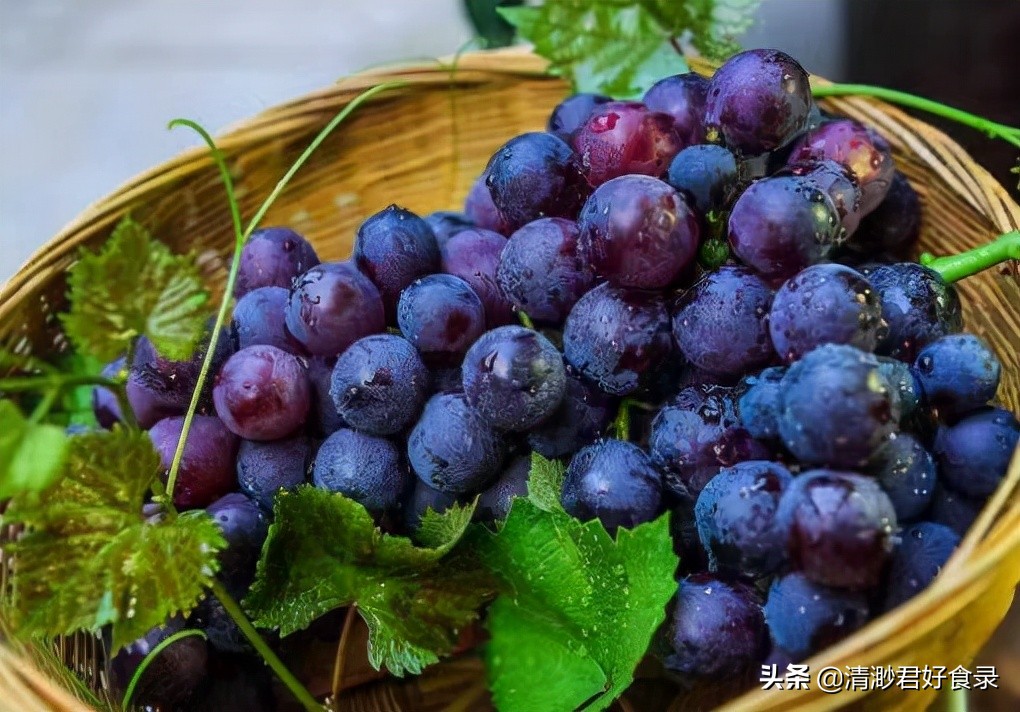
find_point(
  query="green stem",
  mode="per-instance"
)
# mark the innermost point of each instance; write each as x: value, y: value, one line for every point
x: 956, y: 700
x: 525, y: 320
x: 1010, y: 134
x: 286, y: 677
x: 621, y: 425
x: 40, y: 411
x: 953, y: 268
x: 21, y: 384
x: 147, y: 660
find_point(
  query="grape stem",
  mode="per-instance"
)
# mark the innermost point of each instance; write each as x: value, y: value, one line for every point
x: 525, y: 320
x: 286, y: 676
x: 953, y: 268
x: 621, y: 424
x: 20, y: 384
x: 1010, y: 134
x: 147, y: 660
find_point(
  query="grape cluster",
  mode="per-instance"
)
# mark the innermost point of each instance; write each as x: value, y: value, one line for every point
x: 820, y: 434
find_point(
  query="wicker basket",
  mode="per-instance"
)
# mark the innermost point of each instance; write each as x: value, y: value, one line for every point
x: 422, y: 146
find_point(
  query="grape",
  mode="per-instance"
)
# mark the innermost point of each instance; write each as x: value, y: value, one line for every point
x: 825, y: 304
x: 105, y: 406
x: 582, y: 417
x: 923, y: 550
x: 761, y: 402
x: 622, y: 137
x: 837, y: 408
x: 442, y: 316
x: 836, y: 181
x: 264, y: 468
x: 682, y: 96
x: 236, y: 682
x: 380, y: 384
x: 535, y: 175
x: 494, y: 502
x: 973, y: 455
x: 259, y: 318
x: 637, y: 231
x: 393, y: 248
x: 172, y: 676
x: 903, y: 381
x: 857, y: 148
x: 736, y: 519
x: 708, y: 176
x: 955, y: 510
x: 895, y: 225
x: 906, y: 471
x: 958, y: 373
x: 245, y: 529
x: 452, y: 449
x: 422, y: 499
x: 615, y: 482
x: 222, y: 630
x: 697, y: 435
x: 365, y: 468
x: 262, y: 393
x: 479, y: 209
x: 541, y: 270
x: 839, y: 528
x: 207, y: 464
x: 322, y: 416
x: 781, y: 225
x: 803, y: 616
x: 473, y: 255
x: 445, y: 224
x: 917, y: 304
x: 572, y: 112
x: 758, y: 101
x: 513, y: 378
x: 720, y: 324
x: 273, y: 257
x: 616, y: 336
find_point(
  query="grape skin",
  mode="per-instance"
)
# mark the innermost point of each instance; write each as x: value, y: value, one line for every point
x: 582, y: 417
x: 365, y: 468
x: 207, y: 465
x: 571, y: 113
x: 683, y: 97
x: 494, y: 502
x: 958, y: 374
x: 974, y: 453
x: 262, y: 393
x: 264, y: 468
x: 624, y: 137
x: 442, y: 316
x: 923, y: 550
x: 906, y: 471
x: 803, y: 616
x: 273, y: 257
x: 259, y: 319
x: 473, y: 255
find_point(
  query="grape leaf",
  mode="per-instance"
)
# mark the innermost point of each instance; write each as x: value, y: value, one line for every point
x: 30, y: 453
x: 545, y: 481
x: 89, y: 558
x: 582, y: 608
x: 134, y: 285
x: 716, y: 24
x: 324, y: 551
x: 490, y: 27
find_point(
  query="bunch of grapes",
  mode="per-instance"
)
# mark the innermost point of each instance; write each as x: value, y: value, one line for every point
x: 808, y: 410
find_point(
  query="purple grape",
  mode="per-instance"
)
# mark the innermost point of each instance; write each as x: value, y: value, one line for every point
x: 380, y: 384
x: 323, y: 420
x: 513, y: 378
x: 707, y: 175
x: 781, y: 225
x: 615, y: 482
x: 445, y: 224
x: 393, y: 248
x: 273, y: 257
x: 837, y: 408
x: 473, y: 255
x: 332, y: 306
x: 615, y: 337
x: 479, y: 209
x: 494, y: 502
x: 918, y: 306
x: 365, y: 468
x: 582, y: 417
x: 839, y: 528
x: 895, y: 225
x: 265, y: 468
x: 804, y: 617
x: 422, y: 499
x: 452, y: 449
x: 259, y: 319
x: 442, y: 316
x: 542, y: 272
x: 906, y: 471
x: 903, y: 381
x: 974, y: 453
x: 761, y: 401
x: 923, y: 550
x: 637, y: 231
x: 958, y: 373
x: 535, y: 175
x: 571, y: 113
x: 758, y: 101
x: 683, y: 97
x: 105, y: 406
x: 836, y: 181
x: 262, y: 393
x: 736, y: 518
x: 172, y: 676
x: 623, y: 137
x: 207, y: 465
x: 717, y: 628
x: 954, y: 509
x: 245, y: 529
x: 859, y: 149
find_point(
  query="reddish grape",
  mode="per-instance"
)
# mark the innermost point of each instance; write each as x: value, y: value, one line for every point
x: 262, y: 393
x: 207, y: 464
x: 625, y: 137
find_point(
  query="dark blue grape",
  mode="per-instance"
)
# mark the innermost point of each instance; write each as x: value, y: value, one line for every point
x: 682, y: 96
x: 207, y: 464
x: 717, y: 628
x: 958, y: 373
x: 365, y: 468
x: 720, y: 324
x: 903, y: 381
x: 259, y: 319
x: 442, y: 316
x: 452, y: 449
x: 322, y: 416
x: 494, y: 502
x: 422, y: 499
x: 625, y: 137
x: 804, y: 617
x: 615, y: 337
x: 105, y: 406
x: 380, y: 384
x: 393, y: 248
x: 245, y: 529
x: 954, y: 509
x: 262, y: 393
x: 895, y: 225
x: 615, y: 482
x: 446, y: 223
x: 761, y: 402
x: 973, y: 454
x: 273, y: 257
x: 172, y: 676
x: 264, y: 468
x: 513, y: 378
x: 923, y: 550
x: 918, y: 306
x: 836, y: 181
x: 707, y: 175
x: 572, y: 112
x: 906, y: 471
x: 479, y: 209
x: 473, y: 255
x: 582, y: 417
x: 736, y: 519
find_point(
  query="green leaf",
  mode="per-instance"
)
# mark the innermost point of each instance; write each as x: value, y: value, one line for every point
x: 133, y: 286
x: 324, y: 551
x: 30, y: 453
x: 717, y: 24
x: 89, y: 558
x: 545, y: 482
x: 489, y: 25
x: 582, y: 608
